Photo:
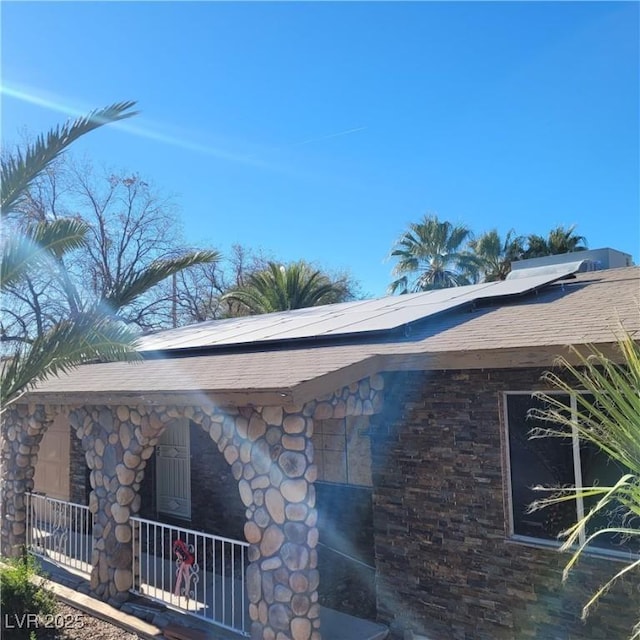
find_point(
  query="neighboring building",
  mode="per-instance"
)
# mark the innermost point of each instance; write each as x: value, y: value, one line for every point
x: 383, y: 441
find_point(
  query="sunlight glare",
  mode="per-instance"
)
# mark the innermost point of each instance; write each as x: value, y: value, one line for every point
x: 47, y: 101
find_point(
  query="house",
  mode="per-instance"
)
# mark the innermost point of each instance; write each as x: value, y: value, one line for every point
x: 382, y: 441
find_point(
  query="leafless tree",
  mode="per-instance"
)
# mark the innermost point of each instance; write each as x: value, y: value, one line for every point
x: 198, y: 292
x: 133, y: 245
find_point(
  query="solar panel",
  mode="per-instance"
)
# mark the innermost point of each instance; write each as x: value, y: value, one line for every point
x: 550, y: 269
x: 343, y: 319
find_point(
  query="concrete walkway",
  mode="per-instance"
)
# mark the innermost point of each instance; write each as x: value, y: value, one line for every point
x: 151, y: 617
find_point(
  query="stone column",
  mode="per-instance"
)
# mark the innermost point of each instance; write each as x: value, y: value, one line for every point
x: 23, y: 427
x: 117, y: 442
x: 271, y: 456
x: 275, y: 473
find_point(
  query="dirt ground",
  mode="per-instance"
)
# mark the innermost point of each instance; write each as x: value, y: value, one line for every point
x: 71, y: 624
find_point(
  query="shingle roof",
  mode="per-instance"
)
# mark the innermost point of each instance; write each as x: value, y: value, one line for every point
x: 587, y: 309
x: 526, y: 331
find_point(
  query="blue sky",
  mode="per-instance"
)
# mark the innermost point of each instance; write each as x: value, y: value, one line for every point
x: 320, y: 130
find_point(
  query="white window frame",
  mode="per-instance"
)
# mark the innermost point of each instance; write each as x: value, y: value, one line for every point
x: 577, y: 474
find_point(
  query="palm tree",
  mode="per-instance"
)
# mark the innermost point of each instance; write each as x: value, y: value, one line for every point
x: 91, y: 333
x: 608, y: 417
x: 70, y: 342
x: 563, y: 240
x: 559, y: 240
x: 496, y: 256
x: 282, y: 288
x: 432, y: 255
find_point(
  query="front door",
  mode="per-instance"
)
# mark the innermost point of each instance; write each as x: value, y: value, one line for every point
x: 173, y: 471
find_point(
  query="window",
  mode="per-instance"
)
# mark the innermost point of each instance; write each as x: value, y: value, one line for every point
x: 554, y: 462
x: 343, y: 450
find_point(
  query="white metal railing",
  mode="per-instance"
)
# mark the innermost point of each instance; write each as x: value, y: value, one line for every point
x: 59, y: 531
x: 197, y: 573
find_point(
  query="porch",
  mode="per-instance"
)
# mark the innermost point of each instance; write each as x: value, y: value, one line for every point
x: 208, y: 594
x: 269, y: 456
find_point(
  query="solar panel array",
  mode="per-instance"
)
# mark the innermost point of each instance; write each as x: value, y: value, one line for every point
x: 343, y: 319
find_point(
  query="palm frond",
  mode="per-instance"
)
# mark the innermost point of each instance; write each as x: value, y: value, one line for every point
x: 67, y: 345
x: 37, y: 244
x: 20, y: 169
x: 85, y: 337
x: 494, y: 256
x: 617, y: 402
x: 607, y: 416
x: 559, y: 240
x: 605, y: 587
x: 398, y: 286
x: 127, y: 290
x: 251, y: 300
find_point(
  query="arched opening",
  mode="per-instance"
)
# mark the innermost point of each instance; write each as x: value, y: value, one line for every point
x: 211, y: 502
x: 189, y: 548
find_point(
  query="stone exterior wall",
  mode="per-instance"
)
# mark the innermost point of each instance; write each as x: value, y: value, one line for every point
x: 271, y: 456
x: 445, y: 565
x: 446, y: 568
x: 23, y: 427
x: 345, y: 517
x: 117, y: 442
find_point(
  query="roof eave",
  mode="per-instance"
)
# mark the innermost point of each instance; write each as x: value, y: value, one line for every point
x: 326, y: 383
x: 506, y: 358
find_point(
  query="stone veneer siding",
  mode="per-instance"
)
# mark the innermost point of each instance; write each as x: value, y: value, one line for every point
x: 23, y: 427
x: 270, y: 453
x: 345, y: 517
x: 446, y: 568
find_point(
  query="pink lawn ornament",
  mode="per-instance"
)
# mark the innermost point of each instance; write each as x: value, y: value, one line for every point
x: 184, y: 560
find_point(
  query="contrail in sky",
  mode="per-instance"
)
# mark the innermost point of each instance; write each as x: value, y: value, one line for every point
x: 327, y: 137
x: 54, y: 103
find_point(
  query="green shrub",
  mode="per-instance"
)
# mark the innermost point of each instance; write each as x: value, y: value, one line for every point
x: 22, y: 593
